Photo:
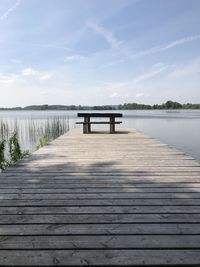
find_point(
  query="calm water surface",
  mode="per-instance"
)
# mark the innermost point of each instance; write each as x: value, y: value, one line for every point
x: 179, y: 129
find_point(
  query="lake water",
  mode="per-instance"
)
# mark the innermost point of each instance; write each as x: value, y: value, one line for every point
x: 179, y: 129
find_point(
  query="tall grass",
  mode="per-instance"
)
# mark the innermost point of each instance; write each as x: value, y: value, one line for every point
x: 2, y: 155
x: 29, y: 133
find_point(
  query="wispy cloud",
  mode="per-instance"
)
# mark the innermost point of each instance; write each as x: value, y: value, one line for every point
x: 157, y: 68
x: 126, y: 52
x: 74, y: 58
x: 133, y: 87
x: 29, y: 72
x: 182, y: 41
x: 141, y: 94
x: 26, y: 74
x: 164, y: 47
x: 115, y: 94
x: 181, y: 71
x: 8, y: 79
x: 52, y: 46
x: 10, y: 10
x: 105, y: 33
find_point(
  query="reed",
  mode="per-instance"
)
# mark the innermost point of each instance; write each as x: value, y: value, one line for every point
x: 2, y: 155
x: 19, y: 137
x: 43, y: 141
x: 14, y: 148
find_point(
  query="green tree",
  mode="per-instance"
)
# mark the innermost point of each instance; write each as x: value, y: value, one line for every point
x: 172, y: 105
x: 44, y: 107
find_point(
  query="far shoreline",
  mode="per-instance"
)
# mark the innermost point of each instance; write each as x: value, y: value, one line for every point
x: 169, y: 105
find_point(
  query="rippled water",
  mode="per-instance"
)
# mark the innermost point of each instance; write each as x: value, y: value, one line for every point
x: 180, y: 129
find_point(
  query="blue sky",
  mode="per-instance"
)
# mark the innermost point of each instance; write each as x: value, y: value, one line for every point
x: 99, y: 51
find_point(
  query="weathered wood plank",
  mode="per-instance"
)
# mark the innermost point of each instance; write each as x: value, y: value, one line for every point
x: 91, y: 196
x: 101, y: 242
x: 99, y: 229
x: 114, y: 170
x: 98, y: 190
x: 99, y: 218
x: 101, y: 257
x: 101, y: 202
x: 101, y: 186
x: 102, y: 180
x: 101, y: 209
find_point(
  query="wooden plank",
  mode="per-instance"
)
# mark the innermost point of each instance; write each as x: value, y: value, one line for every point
x: 84, y: 182
x: 98, y: 190
x: 121, y: 167
x: 101, y: 186
x: 67, y: 171
x: 101, y: 202
x: 102, y: 179
x: 101, y: 257
x: 91, y: 196
x: 100, y: 210
x: 114, y: 171
x: 99, y: 218
x: 101, y: 242
x: 99, y: 229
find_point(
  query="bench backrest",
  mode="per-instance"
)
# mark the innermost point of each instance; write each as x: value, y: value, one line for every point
x: 100, y: 115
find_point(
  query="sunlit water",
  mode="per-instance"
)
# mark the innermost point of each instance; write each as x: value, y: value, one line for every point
x: 180, y: 129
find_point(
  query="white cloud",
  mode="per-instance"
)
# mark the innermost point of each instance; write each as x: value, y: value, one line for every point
x: 52, y: 46
x: 182, y: 41
x: 74, y: 58
x: 45, y: 77
x: 105, y: 33
x: 126, y: 51
x: 10, y: 10
x: 191, y: 68
x: 138, y: 95
x: 8, y: 79
x: 134, y: 88
x: 164, y: 47
x: 26, y: 76
x: 24, y: 87
x: 181, y: 83
x: 157, y: 68
x: 29, y: 72
x: 115, y: 94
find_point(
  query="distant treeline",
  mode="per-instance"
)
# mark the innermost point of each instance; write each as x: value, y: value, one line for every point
x: 168, y: 105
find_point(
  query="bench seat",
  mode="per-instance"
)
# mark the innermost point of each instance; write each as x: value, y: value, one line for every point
x: 99, y: 122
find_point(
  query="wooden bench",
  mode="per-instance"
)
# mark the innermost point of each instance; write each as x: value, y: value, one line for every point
x: 87, y: 122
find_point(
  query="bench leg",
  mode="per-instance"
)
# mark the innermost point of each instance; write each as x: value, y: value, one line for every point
x: 85, y: 130
x: 86, y: 126
x: 89, y: 125
x: 112, y: 126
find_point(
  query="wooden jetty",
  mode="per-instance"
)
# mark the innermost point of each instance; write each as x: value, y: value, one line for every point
x: 101, y: 199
